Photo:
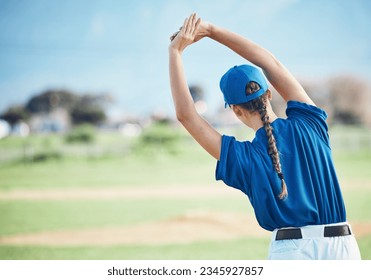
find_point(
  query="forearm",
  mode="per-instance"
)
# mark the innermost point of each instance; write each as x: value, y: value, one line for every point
x: 183, y: 102
x: 186, y: 111
x: 242, y: 46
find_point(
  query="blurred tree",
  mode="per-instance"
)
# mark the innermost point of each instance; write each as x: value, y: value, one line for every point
x: 51, y: 99
x: 197, y: 93
x: 158, y: 138
x: 198, y: 96
x: 87, y: 115
x: 15, y: 114
x: 95, y: 100
x: 82, y: 133
x: 88, y: 108
x: 350, y: 98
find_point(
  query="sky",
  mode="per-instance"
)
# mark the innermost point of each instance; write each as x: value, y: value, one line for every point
x: 121, y: 47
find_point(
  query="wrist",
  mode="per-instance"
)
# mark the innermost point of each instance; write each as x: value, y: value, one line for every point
x: 174, y: 51
x: 210, y: 30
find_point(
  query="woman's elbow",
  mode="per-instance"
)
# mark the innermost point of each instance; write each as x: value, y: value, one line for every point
x: 186, y: 117
x: 181, y: 117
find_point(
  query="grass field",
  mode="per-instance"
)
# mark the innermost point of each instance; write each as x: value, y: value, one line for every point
x: 104, y: 188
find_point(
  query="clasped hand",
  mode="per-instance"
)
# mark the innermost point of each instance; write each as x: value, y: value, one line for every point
x: 192, y: 31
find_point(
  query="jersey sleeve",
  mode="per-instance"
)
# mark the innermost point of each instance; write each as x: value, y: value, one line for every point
x: 311, y: 116
x: 233, y: 167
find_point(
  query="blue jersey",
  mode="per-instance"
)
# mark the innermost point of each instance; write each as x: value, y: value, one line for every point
x: 314, y: 195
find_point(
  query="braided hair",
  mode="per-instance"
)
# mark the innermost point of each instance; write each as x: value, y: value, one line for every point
x: 260, y: 105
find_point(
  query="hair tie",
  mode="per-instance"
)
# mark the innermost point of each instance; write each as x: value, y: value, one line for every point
x: 280, y: 175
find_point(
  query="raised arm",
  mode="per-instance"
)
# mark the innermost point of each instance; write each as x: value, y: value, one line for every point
x: 280, y: 78
x: 185, y: 109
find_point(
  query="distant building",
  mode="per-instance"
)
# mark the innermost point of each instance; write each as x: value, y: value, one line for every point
x: 20, y: 129
x: 58, y: 120
x: 4, y: 129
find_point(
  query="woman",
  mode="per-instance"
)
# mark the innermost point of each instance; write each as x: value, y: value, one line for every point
x: 287, y: 171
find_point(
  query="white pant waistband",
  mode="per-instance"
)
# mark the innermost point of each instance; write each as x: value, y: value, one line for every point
x: 310, y: 232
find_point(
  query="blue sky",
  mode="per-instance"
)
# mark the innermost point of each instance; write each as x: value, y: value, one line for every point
x: 120, y: 47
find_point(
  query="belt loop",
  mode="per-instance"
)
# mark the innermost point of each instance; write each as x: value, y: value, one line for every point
x: 313, y: 231
x: 274, y: 234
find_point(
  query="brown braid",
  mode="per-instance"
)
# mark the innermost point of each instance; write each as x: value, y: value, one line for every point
x: 259, y: 105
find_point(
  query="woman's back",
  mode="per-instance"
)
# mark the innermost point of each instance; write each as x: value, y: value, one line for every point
x: 314, y: 195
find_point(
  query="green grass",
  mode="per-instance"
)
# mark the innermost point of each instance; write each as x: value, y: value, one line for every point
x: 112, y: 162
x: 239, y: 249
x: 358, y: 204
x: 190, y: 165
x: 126, y: 172
x: 353, y: 165
x: 365, y: 247
x: 34, y: 216
x: 254, y: 248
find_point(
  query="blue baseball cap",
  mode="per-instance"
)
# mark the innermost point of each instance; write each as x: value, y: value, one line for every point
x: 233, y: 84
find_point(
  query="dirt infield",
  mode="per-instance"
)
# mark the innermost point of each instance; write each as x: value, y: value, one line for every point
x: 187, y: 228
x: 117, y: 193
x: 196, y: 226
x: 192, y: 227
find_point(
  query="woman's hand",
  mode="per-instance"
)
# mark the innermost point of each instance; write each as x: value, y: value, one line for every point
x: 204, y: 29
x: 187, y: 34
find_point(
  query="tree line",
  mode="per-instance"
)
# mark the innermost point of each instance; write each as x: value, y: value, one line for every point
x: 82, y: 109
x: 346, y: 99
